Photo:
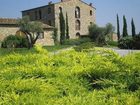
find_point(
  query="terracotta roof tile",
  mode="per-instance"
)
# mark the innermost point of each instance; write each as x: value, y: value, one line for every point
x: 8, y: 21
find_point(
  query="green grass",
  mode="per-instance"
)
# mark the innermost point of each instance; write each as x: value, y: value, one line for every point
x: 99, y: 77
x: 56, y: 47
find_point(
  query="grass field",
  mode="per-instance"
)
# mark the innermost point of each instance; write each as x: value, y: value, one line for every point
x: 97, y: 77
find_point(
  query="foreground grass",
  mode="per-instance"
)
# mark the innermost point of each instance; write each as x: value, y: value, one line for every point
x: 99, y: 77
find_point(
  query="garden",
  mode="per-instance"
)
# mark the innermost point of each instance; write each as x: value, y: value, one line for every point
x: 84, y: 77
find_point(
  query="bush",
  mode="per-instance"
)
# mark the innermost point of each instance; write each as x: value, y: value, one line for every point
x: 76, y: 41
x: 129, y: 43
x: 84, y: 46
x: 125, y: 43
x: 136, y: 42
x: 12, y: 41
x: 112, y: 43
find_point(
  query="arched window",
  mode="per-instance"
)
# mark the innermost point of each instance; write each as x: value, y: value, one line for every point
x: 60, y: 9
x: 90, y: 12
x: 77, y: 35
x: 40, y: 14
x: 77, y: 25
x: 77, y: 12
x: 49, y: 10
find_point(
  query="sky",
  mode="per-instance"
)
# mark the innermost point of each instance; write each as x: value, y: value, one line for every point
x: 106, y: 10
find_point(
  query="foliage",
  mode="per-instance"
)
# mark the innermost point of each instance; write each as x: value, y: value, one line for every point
x: 112, y: 43
x: 118, y: 28
x: 96, y: 76
x: 136, y: 42
x: 55, y: 36
x: 84, y: 46
x: 100, y: 34
x: 125, y: 43
x: 133, y: 28
x: 13, y: 41
x: 67, y: 27
x: 125, y: 33
x: 62, y: 27
x: 76, y: 41
x: 129, y: 42
x: 30, y: 29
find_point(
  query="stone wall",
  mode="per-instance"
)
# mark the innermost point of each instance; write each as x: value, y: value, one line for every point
x: 67, y: 6
x: 47, y: 40
x: 85, y: 18
x: 6, y: 31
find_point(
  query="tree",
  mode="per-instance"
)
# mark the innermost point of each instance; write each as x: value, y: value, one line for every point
x: 99, y: 34
x: 67, y: 27
x: 109, y: 30
x: 133, y: 28
x: 55, y: 36
x: 124, y: 27
x: 30, y: 29
x: 62, y: 27
x: 118, y: 28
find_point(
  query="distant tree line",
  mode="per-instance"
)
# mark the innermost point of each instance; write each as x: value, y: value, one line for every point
x: 126, y: 41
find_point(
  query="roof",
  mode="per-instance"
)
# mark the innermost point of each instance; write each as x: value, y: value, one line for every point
x: 11, y: 21
x: 8, y: 21
x: 46, y: 26
x: 54, y: 4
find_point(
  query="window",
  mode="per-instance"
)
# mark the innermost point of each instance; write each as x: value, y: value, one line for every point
x: 90, y: 12
x: 50, y: 22
x: 77, y: 25
x: 78, y: 35
x: 49, y: 10
x: 41, y: 35
x: 91, y: 23
x: 40, y: 14
x: 77, y: 12
x: 60, y: 9
x: 36, y: 17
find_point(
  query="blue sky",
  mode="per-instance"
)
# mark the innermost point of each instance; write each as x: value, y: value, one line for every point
x: 106, y: 10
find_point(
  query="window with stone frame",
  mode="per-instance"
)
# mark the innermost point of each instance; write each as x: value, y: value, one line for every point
x: 41, y: 35
x: 50, y: 22
x: 77, y: 25
x: 91, y: 13
x: 40, y: 14
x: 49, y: 10
x: 77, y: 12
x: 36, y: 16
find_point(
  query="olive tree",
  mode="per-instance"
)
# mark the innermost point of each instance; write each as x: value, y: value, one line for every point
x: 30, y: 29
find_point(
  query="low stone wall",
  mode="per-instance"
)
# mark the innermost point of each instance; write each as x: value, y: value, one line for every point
x: 6, y: 31
x: 47, y: 40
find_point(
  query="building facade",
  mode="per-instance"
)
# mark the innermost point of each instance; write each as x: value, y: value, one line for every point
x: 9, y: 26
x: 80, y: 16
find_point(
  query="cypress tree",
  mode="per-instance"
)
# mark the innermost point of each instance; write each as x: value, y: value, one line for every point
x: 62, y: 27
x: 118, y: 28
x: 133, y: 28
x: 67, y: 27
x: 124, y: 27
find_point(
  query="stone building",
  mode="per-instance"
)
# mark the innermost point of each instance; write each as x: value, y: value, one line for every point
x: 80, y: 16
x: 9, y: 26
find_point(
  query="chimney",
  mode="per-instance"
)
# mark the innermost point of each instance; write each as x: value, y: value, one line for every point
x: 64, y: 0
x: 49, y: 2
x: 90, y: 4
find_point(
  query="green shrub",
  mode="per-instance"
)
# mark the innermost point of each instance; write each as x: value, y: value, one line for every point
x: 13, y: 41
x: 98, y: 76
x: 76, y: 41
x: 136, y: 42
x: 85, y: 46
x: 125, y: 43
x: 112, y: 43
